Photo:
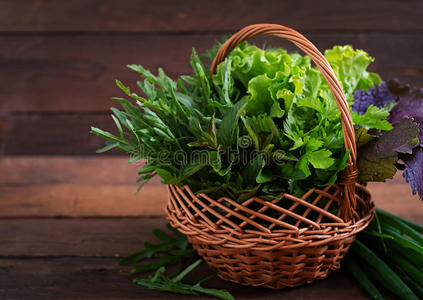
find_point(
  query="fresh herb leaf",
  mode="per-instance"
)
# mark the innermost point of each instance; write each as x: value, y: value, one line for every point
x: 414, y: 170
x: 409, y: 104
x: 376, y: 160
x: 377, y: 95
x: 374, y: 117
x: 167, y: 243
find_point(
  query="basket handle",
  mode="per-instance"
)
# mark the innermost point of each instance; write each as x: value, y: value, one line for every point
x: 350, y: 173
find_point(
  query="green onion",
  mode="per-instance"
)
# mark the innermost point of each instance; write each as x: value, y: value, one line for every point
x: 361, y: 277
x: 381, y: 272
x: 407, y: 267
x: 413, y: 225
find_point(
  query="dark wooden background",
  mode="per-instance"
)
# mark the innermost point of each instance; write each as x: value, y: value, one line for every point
x: 67, y: 214
x: 59, y: 59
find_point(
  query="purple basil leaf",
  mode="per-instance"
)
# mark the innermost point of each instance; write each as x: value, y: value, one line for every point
x: 377, y: 159
x: 419, y: 120
x: 378, y: 95
x: 414, y: 170
x: 410, y: 104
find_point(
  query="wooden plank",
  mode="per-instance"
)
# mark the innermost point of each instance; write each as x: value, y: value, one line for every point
x: 97, y: 237
x: 191, y: 15
x: 95, y: 170
x: 76, y: 187
x: 99, y: 278
x: 53, y: 134
x: 70, y: 200
x: 74, y: 73
x: 395, y: 196
x: 98, y: 186
x: 115, y: 237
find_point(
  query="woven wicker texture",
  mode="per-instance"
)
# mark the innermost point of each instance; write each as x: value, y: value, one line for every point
x: 287, y: 241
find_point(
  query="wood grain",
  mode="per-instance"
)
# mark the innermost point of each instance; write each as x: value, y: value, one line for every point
x: 58, y: 63
x: 76, y: 237
x: 42, y: 170
x: 99, y: 278
x: 74, y: 73
x: 191, y: 15
x: 76, y: 259
x: 53, y: 134
x: 104, y: 186
x: 76, y: 187
x: 82, y: 200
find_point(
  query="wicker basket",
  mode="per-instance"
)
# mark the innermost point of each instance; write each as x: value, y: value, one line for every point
x: 284, y: 242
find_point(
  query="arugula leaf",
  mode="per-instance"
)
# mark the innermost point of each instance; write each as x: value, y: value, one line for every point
x: 228, y: 127
x: 161, y: 282
x: 172, y: 249
x: 167, y: 243
x: 252, y: 170
x: 218, y: 293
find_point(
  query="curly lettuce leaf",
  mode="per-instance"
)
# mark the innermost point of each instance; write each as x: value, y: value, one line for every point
x: 350, y: 68
x: 261, y: 100
x: 377, y: 159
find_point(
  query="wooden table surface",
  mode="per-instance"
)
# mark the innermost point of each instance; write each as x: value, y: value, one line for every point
x: 65, y: 221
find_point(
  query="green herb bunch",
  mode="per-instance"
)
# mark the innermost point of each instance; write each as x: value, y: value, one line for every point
x: 266, y: 123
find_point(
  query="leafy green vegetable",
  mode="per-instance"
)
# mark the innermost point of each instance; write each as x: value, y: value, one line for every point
x: 362, y: 278
x: 350, y: 68
x: 381, y: 272
x: 266, y: 123
x: 161, y: 282
x: 385, y: 252
x: 376, y: 160
x: 167, y: 242
x: 402, y: 101
x: 378, y: 95
x: 414, y: 170
x: 373, y: 117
